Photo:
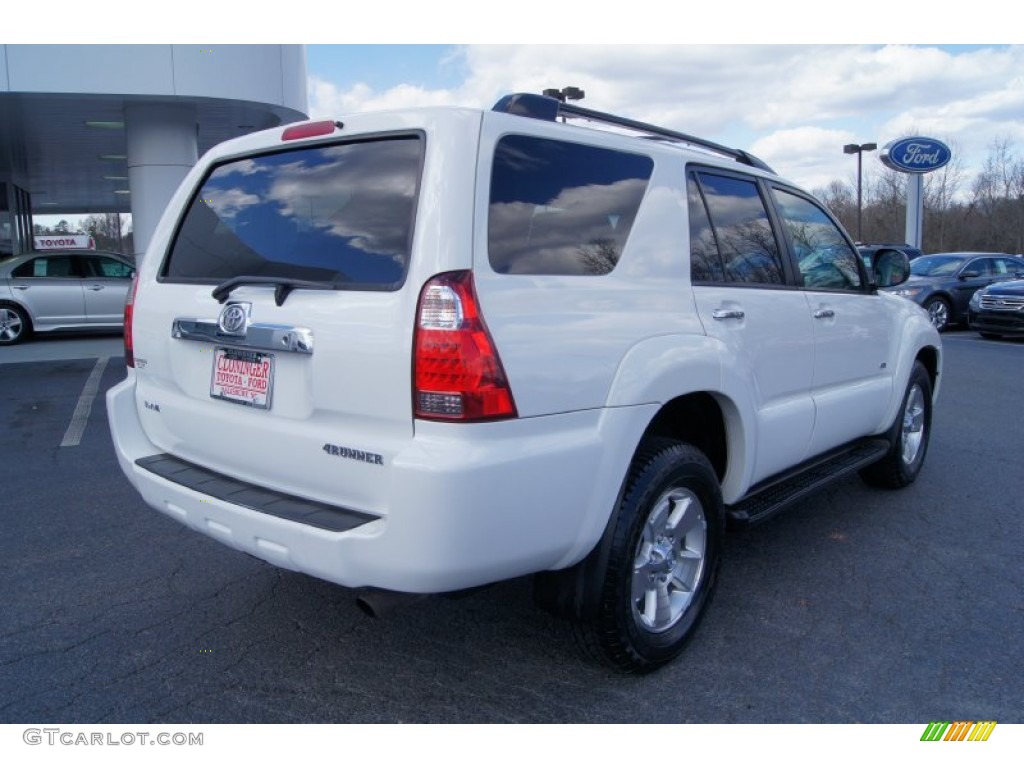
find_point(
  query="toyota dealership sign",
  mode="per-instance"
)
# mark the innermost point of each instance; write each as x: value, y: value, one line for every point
x: 54, y: 242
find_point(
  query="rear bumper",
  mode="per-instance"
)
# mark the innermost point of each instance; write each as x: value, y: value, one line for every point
x: 467, y: 504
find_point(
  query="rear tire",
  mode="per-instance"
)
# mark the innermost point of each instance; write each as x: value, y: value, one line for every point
x: 908, y: 436
x: 661, y: 556
x: 15, y: 325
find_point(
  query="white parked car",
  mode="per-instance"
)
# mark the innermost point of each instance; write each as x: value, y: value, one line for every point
x: 62, y: 290
x: 427, y: 350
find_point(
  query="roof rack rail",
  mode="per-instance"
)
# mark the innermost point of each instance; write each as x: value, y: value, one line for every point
x: 548, y: 108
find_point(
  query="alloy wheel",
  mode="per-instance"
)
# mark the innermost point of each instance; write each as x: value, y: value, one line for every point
x: 669, y: 560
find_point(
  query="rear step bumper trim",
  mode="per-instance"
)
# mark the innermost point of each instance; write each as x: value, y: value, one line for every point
x: 254, y: 497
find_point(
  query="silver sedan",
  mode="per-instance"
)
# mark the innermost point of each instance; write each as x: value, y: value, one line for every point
x: 62, y: 290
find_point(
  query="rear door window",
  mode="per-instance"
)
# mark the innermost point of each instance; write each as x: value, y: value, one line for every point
x: 339, y: 214
x: 560, y: 208
x: 103, y: 266
x: 1008, y: 267
x: 747, y: 251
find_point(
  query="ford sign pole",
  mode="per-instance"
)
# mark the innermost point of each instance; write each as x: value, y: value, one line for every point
x: 916, y: 155
x: 915, y: 210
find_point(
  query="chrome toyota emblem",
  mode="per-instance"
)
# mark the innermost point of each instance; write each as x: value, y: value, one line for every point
x: 233, y: 319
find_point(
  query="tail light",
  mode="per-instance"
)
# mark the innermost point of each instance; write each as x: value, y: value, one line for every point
x: 457, y: 375
x: 129, y: 314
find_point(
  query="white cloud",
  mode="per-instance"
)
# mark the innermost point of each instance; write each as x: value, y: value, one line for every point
x: 228, y: 202
x: 811, y: 155
x: 326, y: 100
x: 795, y: 104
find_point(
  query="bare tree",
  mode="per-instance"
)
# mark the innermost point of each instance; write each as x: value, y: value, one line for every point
x: 885, y: 211
x: 839, y: 198
x: 993, y: 218
x: 941, y: 189
x: 107, y: 229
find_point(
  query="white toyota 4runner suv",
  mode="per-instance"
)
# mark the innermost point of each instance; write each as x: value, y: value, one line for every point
x: 425, y: 350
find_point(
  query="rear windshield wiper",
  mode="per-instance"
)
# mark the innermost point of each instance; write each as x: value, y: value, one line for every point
x: 285, y: 285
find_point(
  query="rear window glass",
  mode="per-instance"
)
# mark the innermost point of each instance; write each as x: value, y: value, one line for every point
x: 559, y: 208
x: 339, y: 214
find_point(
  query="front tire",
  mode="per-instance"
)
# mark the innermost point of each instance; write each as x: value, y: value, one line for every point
x: 663, y: 553
x: 939, y: 313
x: 908, y: 436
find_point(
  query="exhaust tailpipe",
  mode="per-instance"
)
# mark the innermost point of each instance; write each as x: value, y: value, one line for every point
x: 375, y: 603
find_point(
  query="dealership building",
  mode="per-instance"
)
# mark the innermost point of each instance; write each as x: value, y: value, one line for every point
x: 115, y: 128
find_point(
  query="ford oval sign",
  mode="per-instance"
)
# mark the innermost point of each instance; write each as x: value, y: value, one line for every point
x: 917, y: 154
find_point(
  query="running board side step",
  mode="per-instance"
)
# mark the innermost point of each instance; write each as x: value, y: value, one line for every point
x: 775, y: 494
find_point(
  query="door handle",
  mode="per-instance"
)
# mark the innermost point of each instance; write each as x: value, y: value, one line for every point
x: 727, y: 314
x: 21, y: 287
x: 95, y: 287
x: 824, y: 314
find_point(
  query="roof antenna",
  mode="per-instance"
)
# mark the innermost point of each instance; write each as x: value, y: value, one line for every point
x: 570, y: 92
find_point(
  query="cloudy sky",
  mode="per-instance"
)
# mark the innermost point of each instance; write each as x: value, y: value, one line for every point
x: 795, y: 106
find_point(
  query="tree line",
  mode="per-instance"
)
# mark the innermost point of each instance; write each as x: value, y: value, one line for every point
x: 983, y: 213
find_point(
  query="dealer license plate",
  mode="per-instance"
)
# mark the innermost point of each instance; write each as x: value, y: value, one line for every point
x: 244, y: 377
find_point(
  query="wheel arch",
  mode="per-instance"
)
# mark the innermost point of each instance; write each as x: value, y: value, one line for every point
x: 914, y: 340
x: 931, y: 358
x: 697, y: 385
x: 939, y: 294
x: 696, y: 418
x: 17, y: 305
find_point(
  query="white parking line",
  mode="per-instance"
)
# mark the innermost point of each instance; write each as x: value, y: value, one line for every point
x: 73, y: 435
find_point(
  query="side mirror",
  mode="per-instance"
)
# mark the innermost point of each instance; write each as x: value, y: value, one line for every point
x: 969, y: 274
x: 890, y: 267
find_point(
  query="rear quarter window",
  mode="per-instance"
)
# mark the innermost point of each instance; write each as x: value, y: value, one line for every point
x: 340, y: 214
x: 560, y: 208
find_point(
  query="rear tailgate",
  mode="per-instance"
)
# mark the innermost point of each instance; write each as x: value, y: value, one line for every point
x: 297, y: 376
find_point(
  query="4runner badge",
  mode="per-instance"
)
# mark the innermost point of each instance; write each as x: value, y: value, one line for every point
x: 234, y: 318
x: 351, y: 453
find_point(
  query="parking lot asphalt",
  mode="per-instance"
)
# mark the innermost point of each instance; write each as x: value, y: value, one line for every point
x: 857, y: 605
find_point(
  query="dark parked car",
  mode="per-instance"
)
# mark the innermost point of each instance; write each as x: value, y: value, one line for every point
x: 943, y: 283
x: 62, y: 290
x: 998, y: 310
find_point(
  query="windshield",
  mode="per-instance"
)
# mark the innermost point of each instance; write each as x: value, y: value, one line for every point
x: 340, y: 214
x: 936, y: 266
